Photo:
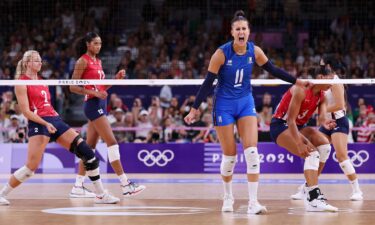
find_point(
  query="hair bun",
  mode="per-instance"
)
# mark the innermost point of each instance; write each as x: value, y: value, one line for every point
x: 239, y: 13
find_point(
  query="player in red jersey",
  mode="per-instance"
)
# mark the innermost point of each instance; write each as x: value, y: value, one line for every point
x: 45, y: 125
x: 288, y: 130
x: 89, y: 66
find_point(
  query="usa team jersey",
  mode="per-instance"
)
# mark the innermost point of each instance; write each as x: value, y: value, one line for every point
x: 235, y: 74
x: 39, y: 99
x: 93, y: 71
x: 308, y: 106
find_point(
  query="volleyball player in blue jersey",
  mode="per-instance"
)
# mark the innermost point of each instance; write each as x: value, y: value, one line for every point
x: 232, y: 65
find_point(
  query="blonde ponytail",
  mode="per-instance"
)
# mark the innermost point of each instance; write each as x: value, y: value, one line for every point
x: 21, y: 65
x: 19, y: 69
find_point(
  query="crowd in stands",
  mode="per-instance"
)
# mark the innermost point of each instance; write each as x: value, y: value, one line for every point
x: 175, y: 40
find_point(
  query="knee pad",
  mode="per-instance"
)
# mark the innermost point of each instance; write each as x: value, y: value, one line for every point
x: 91, y: 164
x: 82, y: 150
x: 252, y: 160
x: 312, y: 162
x: 74, y: 145
x: 113, y: 153
x: 324, y: 151
x: 227, y: 165
x: 23, y: 173
x: 347, y: 167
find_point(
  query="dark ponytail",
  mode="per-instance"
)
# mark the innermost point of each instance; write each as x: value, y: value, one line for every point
x: 239, y: 15
x: 81, y: 47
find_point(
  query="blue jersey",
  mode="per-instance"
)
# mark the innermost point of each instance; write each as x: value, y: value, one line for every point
x: 235, y: 74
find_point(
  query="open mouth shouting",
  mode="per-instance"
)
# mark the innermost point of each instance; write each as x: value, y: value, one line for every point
x: 241, y: 39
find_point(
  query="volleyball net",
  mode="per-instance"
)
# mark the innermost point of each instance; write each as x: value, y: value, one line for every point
x: 169, y: 122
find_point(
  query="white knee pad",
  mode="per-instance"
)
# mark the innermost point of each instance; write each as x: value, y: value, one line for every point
x: 227, y: 165
x: 347, y: 167
x: 93, y: 173
x: 113, y: 153
x: 252, y: 160
x: 23, y: 173
x: 324, y: 151
x: 312, y: 162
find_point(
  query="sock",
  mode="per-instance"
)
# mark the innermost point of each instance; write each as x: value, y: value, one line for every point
x: 253, y: 191
x: 228, y: 188
x: 312, y: 188
x: 99, y: 189
x: 79, y: 181
x: 123, y: 179
x: 5, y: 190
x: 94, y: 176
x: 355, y: 185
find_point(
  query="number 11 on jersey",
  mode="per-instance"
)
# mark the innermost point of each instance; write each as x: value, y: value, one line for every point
x: 239, y: 78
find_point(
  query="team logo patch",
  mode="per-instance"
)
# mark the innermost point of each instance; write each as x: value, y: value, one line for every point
x: 229, y: 63
x: 250, y: 61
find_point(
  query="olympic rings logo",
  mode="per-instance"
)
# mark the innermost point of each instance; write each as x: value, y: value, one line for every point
x: 357, y: 158
x: 160, y: 158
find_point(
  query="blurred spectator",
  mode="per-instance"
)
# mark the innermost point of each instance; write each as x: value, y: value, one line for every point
x: 174, y: 112
x: 129, y: 122
x: 4, y: 124
x: 266, y: 102
x: 136, y: 108
x: 119, y: 118
x: 289, y: 39
x: 153, y: 136
x: 17, y: 134
x: 21, y: 118
x: 155, y: 111
x: 365, y: 134
x: 165, y: 96
x: 143, y: 126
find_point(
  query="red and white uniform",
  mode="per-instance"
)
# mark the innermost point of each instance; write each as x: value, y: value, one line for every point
x: 308, y: 106
x: 93, y: 71
x: 39, y: 99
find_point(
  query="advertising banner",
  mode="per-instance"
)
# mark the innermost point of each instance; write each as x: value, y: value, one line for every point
x: 56, y: 159
x: 161, y: 158
x: 5, y: 158
x: 275, y: 159
x: 181, y: 158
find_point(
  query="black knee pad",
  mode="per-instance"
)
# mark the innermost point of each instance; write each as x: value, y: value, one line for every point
x: 91, y: 164
x: 73, y: 145
x: 82, y: 150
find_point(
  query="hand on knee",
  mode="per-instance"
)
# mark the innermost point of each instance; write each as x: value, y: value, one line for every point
x: 227, y: 165
x: 252, y: 160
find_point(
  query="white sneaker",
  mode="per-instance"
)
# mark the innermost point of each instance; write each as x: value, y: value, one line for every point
x: 106, y: 198
x: 3, y: 201
x: 132, y: 189
x: 357, y: 196
x: 300, y: 193
x: 228, y: 202
x: 81, y: 192
x: 256, y: 208
x: 319, y: 204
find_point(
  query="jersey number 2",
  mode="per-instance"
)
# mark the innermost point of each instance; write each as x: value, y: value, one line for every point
x: 44, y: 93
